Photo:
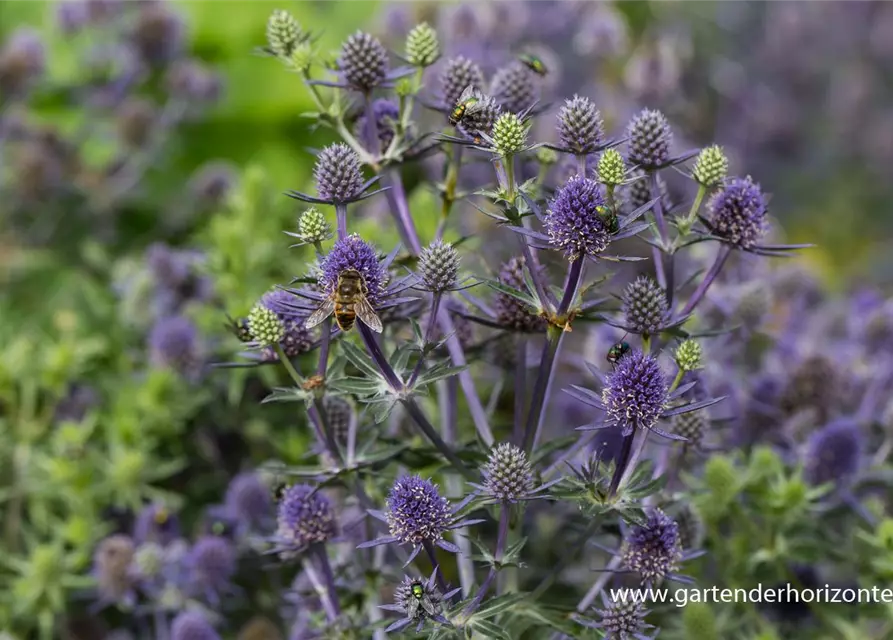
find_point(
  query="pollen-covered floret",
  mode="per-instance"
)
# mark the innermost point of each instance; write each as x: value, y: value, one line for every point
x: 417, y: 512
x: 635, y: 393
x: 574, y: 219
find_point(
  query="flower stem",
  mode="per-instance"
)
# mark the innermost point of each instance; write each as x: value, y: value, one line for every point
x: 508, y: 162
x: 396, y: 196
x: 581, y: 164
x: 520, y: 386
x: 341, y: 217
x: 689, y: 220
x: 501, y: 538
x: 449, y: 187
x: 329, y: 579
x: 640, y: 440
x: 370, y: 131
x: 721, y: 257
x: 432, y: 556
x: 428, y: 430
x: 590, y: 596
x: 429, y: 332
x: 329, y: 604
x: 554, y: 338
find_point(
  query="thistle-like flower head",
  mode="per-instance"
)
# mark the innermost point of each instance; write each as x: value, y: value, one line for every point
x: 363, y: 61
x: 481, y: 120
x: 688, y: 355
x: 284, y: 33
x: 417, y: 512
x: 691, y: 426
x: 340, y: 414
x: 737, y: 213
x: 313, y: 227
x: 458, y: 73
x: 156, y: 523
x: 649, y: 139
x: 337, y: 173
x: 286, y: 328
x: 439, y: 266
x: 212, y: 563
x: 511, y: 312
x: 112, y: 568
x: 508, y: 476
x: 509, y: 134
x: 248, y: 498
x: 305, y: 517
x: 513, y: 88
x: 622, y: 620
x: 192, y: 625
x: 265, y: 325
x: 834, y: 453
x: 711, y: 167
x: 691, y: 526
x: 386, y: 113
x: 574, y: 219
x: 644, y: 306
x: 653, y: 549
x: 611, y: 168
x: 580, y: 126
x: 353, y: 253
x: 635, y: 393
x: 173, y: 342
x: 422, y: 46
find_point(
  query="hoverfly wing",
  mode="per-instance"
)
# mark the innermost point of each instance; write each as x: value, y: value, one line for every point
x: 367, y: 314
x: 467, y: 93
x: 327, y: 309
x: 428, y: 606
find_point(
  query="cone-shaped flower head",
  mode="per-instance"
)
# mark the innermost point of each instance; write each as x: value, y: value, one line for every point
x: 644, y: 306
x: 691, y: 426
x: 212, y: 561
x: 439, y: 266
x: 305, y: 517
x: 363, y: 62
x: 509, y: 134
x: 649, y: 139
x: 292, y: 334
x: 580, y: 126
x: 481, y: 119
x: 173, y: 342
x: 353, y: 253
x: 834, y: 453
x: 112, y: 568
x: 192, y: 625
x: 337, y: 173
x: 688, y: 355
x: 416, y: 511
x: 634, y: 393
x: 639, y: 192
x: 737, y: 213
x: 513, y: 88
x: 691, y: 526
x: 508, y: 476
x: 622, y: 620
x: 340, y: 414
x: 419, y: 600
x: 248, y: 499
x: 386, y: 113
x: 458, y: 73
x: 653, y: 549
x: 422, y: 47
x: 711, y: 167
x: 611, y: 168
x: 511, y: 312
x: 265, y: 325
x: 284, y: 33
x: 574, y: 221
x: 313, y: 226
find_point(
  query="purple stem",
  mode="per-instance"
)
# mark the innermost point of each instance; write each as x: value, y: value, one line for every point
x: 721, y: 257
x: 666, y: 261
x: 324, y: 345
x: 396, y: 196
x: 581, y: 164
x: 501, y: 538
x: 429, y: 332
x: 554, y: 338
x: 334, y: 608
x: 341, y: 217
x: 520, y: 385
x: 432, y: 556
x: 370, y: 131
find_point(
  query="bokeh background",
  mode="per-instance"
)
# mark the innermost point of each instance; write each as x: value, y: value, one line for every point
x: 140, y: 169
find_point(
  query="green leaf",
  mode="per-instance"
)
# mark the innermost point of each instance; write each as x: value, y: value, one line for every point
x: 286, y: 394
x: 498, y: 605
x: 359, y: 386
x: 509, y: 291
x: 491, y: 630
x: 439, y: 373
x: 360, y: 360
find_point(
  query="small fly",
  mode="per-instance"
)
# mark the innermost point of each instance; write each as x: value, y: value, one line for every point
x: 420, y: 600
x: 617, y: 351
x: 466, y: 103
x: 534, y: 63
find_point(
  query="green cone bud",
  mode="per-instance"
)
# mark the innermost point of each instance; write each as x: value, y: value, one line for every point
x: 509, y: 134
x: 265, y: 326
x: 546, y: 156
x: 302, y: 57
x: 422, y: 47
x: 283, y: 33
x: 711, y: 167
x: 313, y: 227
x: 688, y: 356
x: 611, y: 168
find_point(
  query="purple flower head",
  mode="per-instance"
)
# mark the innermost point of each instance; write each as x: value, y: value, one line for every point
x: 513, y: 88
x: 834, y: 453
x: 653, y: 549
x: 580, y: 126
x: 573, y: 220
x: 649, y: 139
x: 177, y: 277
x: 212, y: 563
x: 156, y: 523
x: 738, y: 213
x: 248, y: 499
x: 337, y: 173
x: 192, y: 625
x: 157, y: 33
x: 112, y: 569
x: 354, y: 253
x: 511, y: 312
x: 173, y: 342
x: 212, y: 182
x: 417, y: 512
x: 387, y: 114
x: 458, y: 73
x: 508, y: 476
x: 363, y: 62
x: 22, y: 58
x: 644, y: 306
x: 195, y: 83
x: 620, y: 620
x: 418, y: 600
x: 305, y: 518
x: 635, y: 393
x: 296, y: 339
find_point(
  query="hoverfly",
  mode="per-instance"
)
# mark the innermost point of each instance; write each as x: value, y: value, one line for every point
x: 612, y: 224
x: 617, y: 351
x: 534, y: 63
x: 347, y: 301
x: 420, y: 600
x: 466, y: 102
x: 279, y: 490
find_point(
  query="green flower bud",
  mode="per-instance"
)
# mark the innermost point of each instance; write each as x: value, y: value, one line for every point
x: 688, y: 356
x: 403, y: 88
x: 313, y: 227
x: 711, y: 167
x: 283, y: 33
x: 699, y: 621
x: 721, y: 479
x: 611, y: 168
x: 546, y: 156
x: 265, y: 326
x: 509, y: 134
x: 302, y: 57
x: 422, y: 47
